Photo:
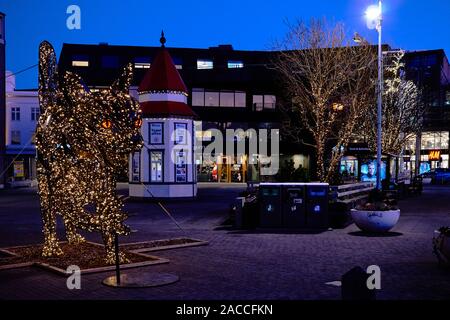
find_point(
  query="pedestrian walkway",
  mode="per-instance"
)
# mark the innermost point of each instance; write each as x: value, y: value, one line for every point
x: 241, y: 264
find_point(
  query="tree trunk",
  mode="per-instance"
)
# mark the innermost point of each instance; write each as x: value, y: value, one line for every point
x: 320, y: 161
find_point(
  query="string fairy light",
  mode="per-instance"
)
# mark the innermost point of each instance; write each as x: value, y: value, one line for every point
x: 83, y: 140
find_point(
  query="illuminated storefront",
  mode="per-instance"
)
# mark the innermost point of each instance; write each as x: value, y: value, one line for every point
x: 434, y: 151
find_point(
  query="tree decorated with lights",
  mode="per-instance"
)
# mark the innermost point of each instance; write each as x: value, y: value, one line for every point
x: 83, y: 140
x: 402, y: 110
x: 329, y: 83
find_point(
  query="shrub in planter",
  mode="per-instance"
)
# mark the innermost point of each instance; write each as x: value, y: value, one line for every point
x: 378, y: 214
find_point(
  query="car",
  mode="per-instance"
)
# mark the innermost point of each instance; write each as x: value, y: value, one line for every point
x: 437, y: 176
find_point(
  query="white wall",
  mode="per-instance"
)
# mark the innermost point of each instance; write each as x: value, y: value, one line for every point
x: 169, y: 188
x: 25, y: 100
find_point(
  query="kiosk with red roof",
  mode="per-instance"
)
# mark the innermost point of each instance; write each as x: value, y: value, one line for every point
x: 165, y: 167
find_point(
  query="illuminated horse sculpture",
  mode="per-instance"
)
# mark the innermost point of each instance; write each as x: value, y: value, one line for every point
x: 83, y: 140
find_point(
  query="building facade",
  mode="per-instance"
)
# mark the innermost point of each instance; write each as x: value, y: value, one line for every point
x: 22, y: 114
x: 430, y: 70
x: 235, y: 89
x: 227, y: 89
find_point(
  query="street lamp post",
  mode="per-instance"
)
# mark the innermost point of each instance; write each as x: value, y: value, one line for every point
x: 374, y: 21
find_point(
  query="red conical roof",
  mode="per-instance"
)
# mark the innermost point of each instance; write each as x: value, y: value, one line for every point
x: 162, y: 75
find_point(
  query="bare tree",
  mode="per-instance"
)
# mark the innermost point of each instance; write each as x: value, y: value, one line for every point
x: 403, y: 109
x: 330, y: 83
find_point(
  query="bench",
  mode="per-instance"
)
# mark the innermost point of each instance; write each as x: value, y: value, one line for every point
x: 352, y: 193
x: 345, y: 197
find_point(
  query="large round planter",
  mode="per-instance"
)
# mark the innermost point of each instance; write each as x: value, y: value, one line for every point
x: 375, y: 221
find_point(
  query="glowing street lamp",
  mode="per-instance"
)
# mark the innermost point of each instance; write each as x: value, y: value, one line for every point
x: 374, y: 16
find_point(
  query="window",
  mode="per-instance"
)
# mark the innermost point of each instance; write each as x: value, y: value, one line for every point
x: 204, y: 135
x: 233, y: 64
x: 180, y: 133
x: 198, y: 97
x: 226, y: 99
x: 178, y: 63
x: 156, y: 166
x: 110, y: 62
x: 239, y: 99
x: 258, y: 102
x: 15, y: 137
x: 447, y: 98
x: 156, y: 133
x: 142, y: 62
x: 203, y: 64
x: 80, y: 61
x: 410, y: 144
x: 35, y: 112
x: 33, y: 137
x: 15, y: 114
x: 269, y: 102
x: 261, y: 102
x: 135, y: 167
x: 435, y: 140
x: 211, y: 99
x: 180, y: 166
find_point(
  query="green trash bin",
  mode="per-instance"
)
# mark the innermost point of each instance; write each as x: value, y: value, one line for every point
x: 317, y: 205
x: 294, y: 205
x: 270, y: 213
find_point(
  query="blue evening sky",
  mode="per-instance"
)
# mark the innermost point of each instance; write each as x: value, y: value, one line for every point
x: 246, y: 24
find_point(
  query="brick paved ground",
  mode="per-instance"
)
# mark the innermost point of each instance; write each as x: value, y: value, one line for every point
x: 244, y: 265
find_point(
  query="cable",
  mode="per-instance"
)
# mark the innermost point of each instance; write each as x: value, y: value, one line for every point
x: 164, y: 209
x: 160, y: 204
x: 20, y: 71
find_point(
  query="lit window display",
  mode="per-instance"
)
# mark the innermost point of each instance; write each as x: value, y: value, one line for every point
x: 435, y: 140
x: 156, y: 159
x: 349, y: 167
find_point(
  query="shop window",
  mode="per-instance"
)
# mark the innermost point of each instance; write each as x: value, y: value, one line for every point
x: 156, y: 166
x: 180, y: 133
x: 156, y: 133
x: 435, y: 140
x: 180, y: 166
